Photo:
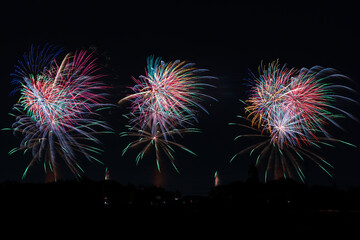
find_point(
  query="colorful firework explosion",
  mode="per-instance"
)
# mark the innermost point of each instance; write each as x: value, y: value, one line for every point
x: 291, y: 109
x: 57, y: 107
x: 164, y: 104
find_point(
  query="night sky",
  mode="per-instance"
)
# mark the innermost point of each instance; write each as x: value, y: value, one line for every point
x: 224, y: 37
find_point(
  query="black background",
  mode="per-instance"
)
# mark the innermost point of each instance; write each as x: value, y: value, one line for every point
x: 225, y: 37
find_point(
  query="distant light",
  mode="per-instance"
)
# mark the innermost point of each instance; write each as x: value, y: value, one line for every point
x: 106, y: 201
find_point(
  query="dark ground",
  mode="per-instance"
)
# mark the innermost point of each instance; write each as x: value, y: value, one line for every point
x: 279, y: 207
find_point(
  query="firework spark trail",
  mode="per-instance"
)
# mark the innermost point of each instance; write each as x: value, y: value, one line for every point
x: 157, y: 139
x: 57, y: 107
x: 292, y: 109
x: 164, y: 104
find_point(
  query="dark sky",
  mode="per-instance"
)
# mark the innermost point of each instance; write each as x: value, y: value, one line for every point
x: 224, y: 37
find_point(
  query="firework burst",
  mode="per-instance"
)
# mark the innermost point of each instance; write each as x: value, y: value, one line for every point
x: 56, y: 111
x: 164, y: 104
x: 291, y: 109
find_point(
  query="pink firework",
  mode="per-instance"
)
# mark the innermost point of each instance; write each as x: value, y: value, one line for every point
x: 164, y: 104
x: 291, y: 109
x: 57, y: 107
